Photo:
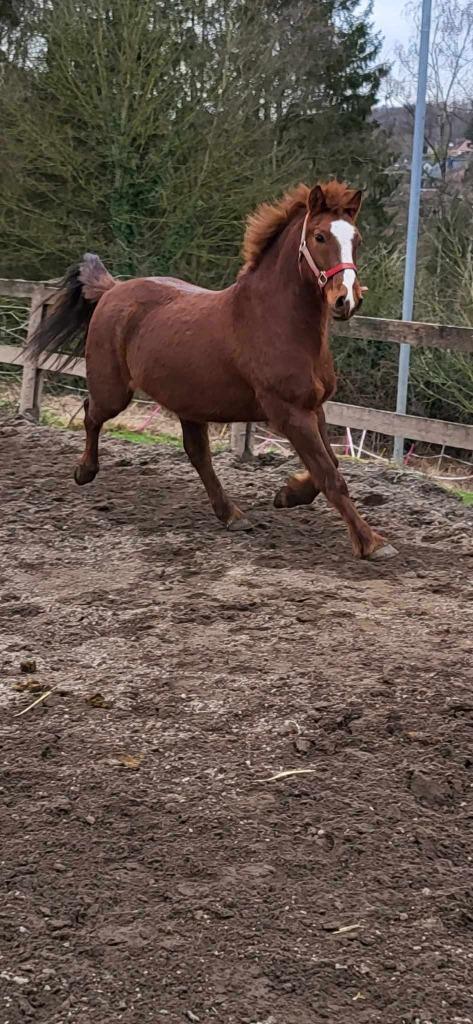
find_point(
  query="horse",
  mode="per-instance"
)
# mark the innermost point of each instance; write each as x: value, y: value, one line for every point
x: 257, y: 350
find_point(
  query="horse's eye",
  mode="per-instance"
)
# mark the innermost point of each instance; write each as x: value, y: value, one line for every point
x: 319, y: 238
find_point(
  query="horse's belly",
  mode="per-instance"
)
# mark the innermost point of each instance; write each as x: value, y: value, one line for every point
x: 196, y: 381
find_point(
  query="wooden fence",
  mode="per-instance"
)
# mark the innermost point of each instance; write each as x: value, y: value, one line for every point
x: 419, y: 335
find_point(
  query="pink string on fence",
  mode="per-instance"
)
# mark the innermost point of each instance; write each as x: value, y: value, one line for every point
x: 154, y: 412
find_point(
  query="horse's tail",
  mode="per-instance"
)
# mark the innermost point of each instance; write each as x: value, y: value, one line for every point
x: 65, y: 328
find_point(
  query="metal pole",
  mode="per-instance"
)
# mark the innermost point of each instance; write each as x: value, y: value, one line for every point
x: 413, y: 218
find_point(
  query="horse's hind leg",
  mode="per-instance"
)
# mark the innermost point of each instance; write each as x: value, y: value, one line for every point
x: 196, y: 443
x: 96, y: 414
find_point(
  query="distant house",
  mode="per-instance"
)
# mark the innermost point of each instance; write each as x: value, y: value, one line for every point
x: 464, y: 148
x: 458, y: 160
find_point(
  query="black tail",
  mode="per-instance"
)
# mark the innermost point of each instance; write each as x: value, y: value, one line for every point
x: 64, y: 329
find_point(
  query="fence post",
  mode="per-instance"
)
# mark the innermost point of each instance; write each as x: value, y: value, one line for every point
x: 242, y: 439
x: 32, y: 378
x: 413, y: 217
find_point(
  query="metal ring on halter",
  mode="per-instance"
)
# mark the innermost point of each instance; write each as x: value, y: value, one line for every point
x: 322, y: 279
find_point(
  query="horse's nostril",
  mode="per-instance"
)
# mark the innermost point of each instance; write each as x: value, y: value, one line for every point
x: 340, y: 302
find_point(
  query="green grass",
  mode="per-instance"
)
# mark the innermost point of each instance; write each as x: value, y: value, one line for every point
x: 8, y: 403
x: 136, y: 437
x: 51, y: 419
x: 466, y: 497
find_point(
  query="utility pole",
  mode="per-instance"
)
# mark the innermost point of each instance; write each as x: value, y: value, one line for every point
x: 413, y: 218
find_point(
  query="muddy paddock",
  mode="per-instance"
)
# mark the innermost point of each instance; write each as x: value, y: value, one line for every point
x: 155, y: 868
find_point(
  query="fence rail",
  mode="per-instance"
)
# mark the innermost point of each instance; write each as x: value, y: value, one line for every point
x: 419, y: 335
x: 406, y: 332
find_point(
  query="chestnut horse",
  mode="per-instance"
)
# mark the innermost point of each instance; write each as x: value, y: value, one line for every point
x: 255, y: 351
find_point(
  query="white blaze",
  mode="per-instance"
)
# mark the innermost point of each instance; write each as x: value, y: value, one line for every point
x: 345, y: 233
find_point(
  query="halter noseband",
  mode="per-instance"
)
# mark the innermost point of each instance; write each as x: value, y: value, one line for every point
x: 322, y: 276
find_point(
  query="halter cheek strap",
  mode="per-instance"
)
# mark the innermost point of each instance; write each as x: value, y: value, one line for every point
x: 322, y: 276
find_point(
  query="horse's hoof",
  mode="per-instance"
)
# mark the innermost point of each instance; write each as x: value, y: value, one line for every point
x: 384, y: 552
x: 239, y: 523
x: 84, y: 475
x: 288, y: 497
x: 285, y: 498
x: 281, y: 498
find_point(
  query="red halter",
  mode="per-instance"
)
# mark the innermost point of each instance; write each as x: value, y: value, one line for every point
x: 322, y: 276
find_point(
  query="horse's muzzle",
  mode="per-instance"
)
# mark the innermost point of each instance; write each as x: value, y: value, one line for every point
x: 344, y: 309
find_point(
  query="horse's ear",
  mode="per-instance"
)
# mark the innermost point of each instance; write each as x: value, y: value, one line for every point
x: 317, y: 202
x: 352, y: 206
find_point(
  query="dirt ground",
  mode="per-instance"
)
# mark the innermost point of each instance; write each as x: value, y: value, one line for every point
x: 153, y: 866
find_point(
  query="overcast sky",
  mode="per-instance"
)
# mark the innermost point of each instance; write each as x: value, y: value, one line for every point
x: 389, y: 17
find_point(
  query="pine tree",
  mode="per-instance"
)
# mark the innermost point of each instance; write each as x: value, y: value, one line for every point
x: 330, y: 75
x: 147, y: 131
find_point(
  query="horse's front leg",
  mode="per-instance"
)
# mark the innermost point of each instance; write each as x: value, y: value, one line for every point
x: 301, y: 427
x: 299, y: 489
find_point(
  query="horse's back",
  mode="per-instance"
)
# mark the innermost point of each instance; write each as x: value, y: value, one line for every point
x: 143, y: 296
x: 178, y: 285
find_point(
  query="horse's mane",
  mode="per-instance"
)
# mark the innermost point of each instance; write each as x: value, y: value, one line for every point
x: 269, y: 219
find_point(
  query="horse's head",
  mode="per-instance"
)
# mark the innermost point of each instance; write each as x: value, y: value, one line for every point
x: 329, y: 244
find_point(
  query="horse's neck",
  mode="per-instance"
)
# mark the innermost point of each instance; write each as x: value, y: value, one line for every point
x: 294, y: 299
